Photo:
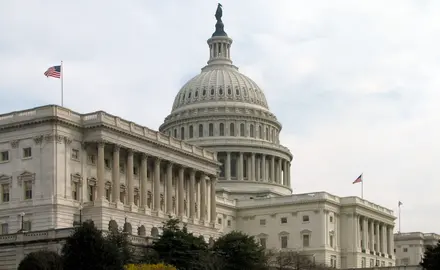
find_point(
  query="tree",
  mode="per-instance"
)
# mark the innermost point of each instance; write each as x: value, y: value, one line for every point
x: 87, y: 249
x: 121, y: 241
x: 178, y: 247
x: 240, y: 251
x: 41, y: 260
x: 431, y: 258
x: 291, y: 260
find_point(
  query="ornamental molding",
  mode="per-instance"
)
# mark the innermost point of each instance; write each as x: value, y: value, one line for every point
x: 91, y: 181
x: 54, y: 138
x: 15, y: 143
x: 5, y: 179
x: 305, y: 231
x: 38, y: 139
x: 67, y: 140
x: 122, y: 188
x: 76, y: 178
x: 108, y: 185
x: 26, y: 176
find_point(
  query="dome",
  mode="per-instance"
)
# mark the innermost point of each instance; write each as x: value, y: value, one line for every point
x: 220, y: 85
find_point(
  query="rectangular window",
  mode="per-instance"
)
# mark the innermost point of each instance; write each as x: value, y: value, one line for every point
x: 107, y: 194
x: 107, y: 163
x: 306, y: 240
x: 5, y: 193
x: 371, y: 262
x: 135, y: 170
x: 364, y: 262
x: 331, y: 240
x: 75, y: 191
x: 263, y: 242
x: 91, y: 159
x: 284, y: 241
x: 5, y: 228
x: 333, y: 261
x: 91, y: 193
x: 4, y: 156
x: 283, y: 220
x: 331, y: 219
x: 306, y: 219
x: 28, y: 190
x: 27, y: 226
x: 27, y: 152
x: 405, y: 249
x: 75, y: 154
x: 219, y: 221
x: 229, y: 223
x: 122, y: 196
x: 262, y: 222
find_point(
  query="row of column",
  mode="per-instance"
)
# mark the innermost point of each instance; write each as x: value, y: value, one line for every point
x: 156, y: 183
x: 375, y: 236
x: 260, y: 167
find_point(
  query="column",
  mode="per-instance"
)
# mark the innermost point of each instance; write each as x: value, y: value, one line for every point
x: 192, y: 183
x: 356, y: 231
x: 263, y: 169
x: 377, y: 240
x: 253, y: 167
x: 156, y: 185
x: 213, y: 200
x: 249, y: 168
x: 279, y: 169
x: 144, y: 181
x: 100, y: 172
x: 284, y: 172
x: 202, y: 196
x: 384, y: 238
x: 130, y: 185
x: 258, y: 171
x: 371, y: 228
x: 228, y: 166
x: 390, y: 241
x: 169, y: 186
x: 115, y: 174
x: 288, y: 174
x: 365, y: 233
x: 272, y: 169
x: 181, y: 192
x: 240, y: 166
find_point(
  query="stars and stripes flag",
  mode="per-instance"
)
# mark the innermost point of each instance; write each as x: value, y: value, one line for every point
x: 54, y: 71
x: 400, y: 203
x: 358, y: 180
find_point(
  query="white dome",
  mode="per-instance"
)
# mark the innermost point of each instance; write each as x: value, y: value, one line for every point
x: 220, y: 84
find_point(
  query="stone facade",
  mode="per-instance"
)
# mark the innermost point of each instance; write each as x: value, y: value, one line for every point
x: 411, y: 246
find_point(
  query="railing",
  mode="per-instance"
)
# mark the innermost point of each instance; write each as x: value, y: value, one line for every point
x: 100, y: 117
x: 357, y: 200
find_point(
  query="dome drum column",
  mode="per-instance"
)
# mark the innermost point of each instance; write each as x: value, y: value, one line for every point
x: 253, y: 167
x: 258, y: 169
x: 272, y: 169
x: 240, y: 166
x: 228, y: 166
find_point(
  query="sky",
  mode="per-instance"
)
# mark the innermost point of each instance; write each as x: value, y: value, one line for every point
x: 354, y: 83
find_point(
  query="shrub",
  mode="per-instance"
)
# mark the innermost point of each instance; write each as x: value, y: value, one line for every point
x: 159, y: 266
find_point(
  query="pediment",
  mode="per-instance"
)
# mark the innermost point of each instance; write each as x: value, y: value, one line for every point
x: 91, y: 181
x: 122, y: 188
x: 305, y: 231
x: 76, y: 177
x: 6, y: 179
x: 284, y: 233
x: 26, y: 176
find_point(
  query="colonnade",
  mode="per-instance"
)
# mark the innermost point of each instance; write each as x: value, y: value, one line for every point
x: 182, y: 176
x: 374, y: 236
x: 254, y: 167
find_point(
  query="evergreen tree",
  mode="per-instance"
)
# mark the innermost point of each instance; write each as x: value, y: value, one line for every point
x: 178, y: 247
x: 240, y: 251
x: 431, y: 258
x: 121, y: 241
x: 87, y: 249
x: 41, y: 260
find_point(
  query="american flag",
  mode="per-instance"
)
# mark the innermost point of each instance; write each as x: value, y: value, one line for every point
x: 358, y: 180
x: 54, y: 71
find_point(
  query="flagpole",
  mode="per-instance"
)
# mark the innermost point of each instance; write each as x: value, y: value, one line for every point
x: 399, y: 217
x: 362, y: 188
x: 62, y: 90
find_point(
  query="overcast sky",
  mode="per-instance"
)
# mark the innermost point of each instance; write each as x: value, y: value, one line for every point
x: 355, y: 84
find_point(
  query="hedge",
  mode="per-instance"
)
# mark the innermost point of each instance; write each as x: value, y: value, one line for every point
x: 159, y: 266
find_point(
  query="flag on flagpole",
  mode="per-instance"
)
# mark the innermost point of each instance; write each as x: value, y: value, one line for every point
x: 54, y: 71
x: 358, y: 180
x: 400, y: 203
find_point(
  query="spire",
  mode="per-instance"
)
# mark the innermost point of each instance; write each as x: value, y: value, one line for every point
x: 219, y: 44
x: 219, y: 26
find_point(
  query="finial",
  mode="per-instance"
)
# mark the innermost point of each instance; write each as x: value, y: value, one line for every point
x: 219, y: 31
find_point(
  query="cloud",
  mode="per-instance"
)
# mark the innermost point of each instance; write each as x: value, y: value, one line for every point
x: 355, y: 84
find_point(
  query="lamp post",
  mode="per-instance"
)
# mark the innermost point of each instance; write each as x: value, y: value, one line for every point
x: 22, y: 214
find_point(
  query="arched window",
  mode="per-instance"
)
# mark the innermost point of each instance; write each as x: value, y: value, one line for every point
x: 200, y: 130
x: 242, y: 130
x: 232, y: 129
x: 191, y: 132
x: 175, y: 133
x: 211, y: 129
x: 267, y: 134
x: 251, y: 131
x: 182, y: 133
x: 222, y: 129
x: 273, y: 135
x: 260, y: 132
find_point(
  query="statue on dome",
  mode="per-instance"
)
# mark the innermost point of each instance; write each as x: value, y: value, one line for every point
x: 219, y: 12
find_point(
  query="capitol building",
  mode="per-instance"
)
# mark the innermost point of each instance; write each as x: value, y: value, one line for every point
x: 217, y: 163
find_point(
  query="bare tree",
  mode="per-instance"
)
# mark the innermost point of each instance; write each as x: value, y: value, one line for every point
x: 291, y: 260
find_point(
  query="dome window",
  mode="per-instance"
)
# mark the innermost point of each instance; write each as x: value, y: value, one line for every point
x: 237, y: 91
x: 212, y: 91
x: 232, y: 129
x: 182, y: 133
x: 222, y: 129
x: 204, y: 92
x: 267, y: 134
x: 211, y: 129
x: 200, y: 130
x: 175, y: 133
x: 189, y: 95
x: 251, y: 129
x: 260, y: 132
x: 196, y: 94
x: 191, y: 132
x: 229, y: 90
x: 245, y: 92
x: 242, y: 130
x: 220, y: 91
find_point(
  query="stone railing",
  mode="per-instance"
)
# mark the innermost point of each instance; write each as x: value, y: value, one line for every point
x: 226, y: 201
x: 100, y: 117
x: 359, y: 201
x: 242, y: 141
x: 59, y: 234
x: 308, y: 197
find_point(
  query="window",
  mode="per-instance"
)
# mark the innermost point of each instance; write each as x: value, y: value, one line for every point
x: 107, y: 163
x: 196, y: 94
x: 107, y: 194
x: 211, y: 129
x: 75, y: 191
x: 232, y: 129
x: 135, y: 170
x: 263, y: 242
x: 333, y: 261
x: 182, y: 133
x: 331, y: 219
x: 306, y: 219
x: 200, y: 130
x: 121, y: 168
x: 283, y: 220
x: 219, y: 221
x: 306, y: 240
x: 405, y: 249
x: 284, y: 241
x: 260, y: 132
x: 28, y: 190
x: 237, y: 91
x: 91, y: 159
x: 331, y: 240
x: 75, y: 154
x: 262, y: 222
x: 229, y: 223
x: 27, y: 226
x: 91, y: 193
x: 371, y: 262
x: 27, y: 152
x: 191, y: 132
x: 242, y: 130
x: 4, y: 156
x: 5, y: 228
x: 5, y: 193
x: 212, y: 91
x: 267, y: 134
x: 175, y: 133
x: 251, y: 129
x: 222, y: 129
